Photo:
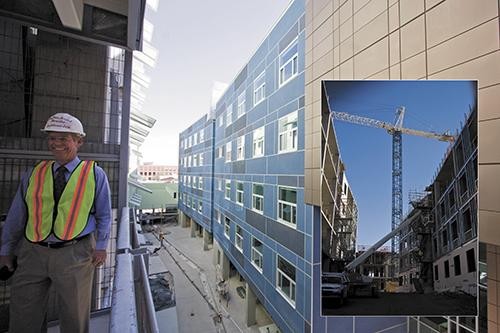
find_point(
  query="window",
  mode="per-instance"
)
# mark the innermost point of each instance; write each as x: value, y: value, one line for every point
x: 256, y: 255
x: 200, y: 159
x: 202, y: 135
x: 240, y: 110
x: 444, y: 237
x: 200, y: 206
x: 221, y: 120
x: 200, y: 183
x: 218, y: 216
x: 240, y: 148
x: 227, y: 227
x: 288, y: 133
x: 238, y: 242
x: 189, y: 181
x: 195, y: 160
x: 258, y: 197
x: 189, y: 141
x: 258, y: 142
x: 454, y: 230
x: 285, y: 281
x: 219, y: 184
x: 228, y: 151
x: 467, y: 221
x: 259, y: 88
x: 471, y: 261
x: 219, y: 152
x: 195, y: 138
x: 436, y: 273
x: 287, y: 205
x: 239, y: 193
x: 227, y: 193
x: 288, y: 63
x: 229, y: 115
x: 189, y: 160
x: 185, y: 160
x: 446, y: 269
x: 456, y: 263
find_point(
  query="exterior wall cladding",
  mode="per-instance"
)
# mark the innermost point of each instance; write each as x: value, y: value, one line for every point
x: 353, y: 39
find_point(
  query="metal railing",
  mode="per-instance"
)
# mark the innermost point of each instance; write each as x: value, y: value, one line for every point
x: 132, y: 304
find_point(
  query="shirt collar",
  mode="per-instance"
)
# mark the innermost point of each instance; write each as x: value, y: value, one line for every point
x: 70, y: 166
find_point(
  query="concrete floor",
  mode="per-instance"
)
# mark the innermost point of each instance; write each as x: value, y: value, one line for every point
x: 197, y: 302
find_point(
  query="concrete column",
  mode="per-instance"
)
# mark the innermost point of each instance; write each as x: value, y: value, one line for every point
x: 206, y: 239
x: 224, y: 266
x: 193, y: 228
x: 250, y: 306
x: 184, y: 220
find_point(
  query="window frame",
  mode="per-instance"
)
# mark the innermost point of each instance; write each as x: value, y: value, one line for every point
x: 293, y: 211
x: 227, y: 227
x: 293, y: 283
x: 238, y: 238
x: 255, y: 253
x: 290, y: 134
x: 240, y: 193
x: 240, y: 147
x: 229, y: 115
x: 240, y: 107
x: 227, y: 190
x: 256, y: 197
x: 294, y: 59
x: 229, y: 150
x: 258, y: 139
x: 259, y: 92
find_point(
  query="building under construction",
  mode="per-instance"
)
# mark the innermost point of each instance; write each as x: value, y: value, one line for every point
x: 438, y: 249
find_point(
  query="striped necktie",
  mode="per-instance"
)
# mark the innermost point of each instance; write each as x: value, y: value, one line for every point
x: 59, y: 183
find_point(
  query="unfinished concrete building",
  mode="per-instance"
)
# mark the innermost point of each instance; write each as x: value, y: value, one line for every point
x: 455, y: 213
x: 339, y: 212
x: 415, y: 250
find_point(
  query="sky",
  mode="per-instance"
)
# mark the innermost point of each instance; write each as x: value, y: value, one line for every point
x: 199, y: 43
x: 437, y: 106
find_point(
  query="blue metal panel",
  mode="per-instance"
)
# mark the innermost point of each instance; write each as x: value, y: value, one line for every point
x: 287, y: 163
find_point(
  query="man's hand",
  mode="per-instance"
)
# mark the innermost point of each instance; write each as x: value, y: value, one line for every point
x: 7, y: 261
x: 99, y: 257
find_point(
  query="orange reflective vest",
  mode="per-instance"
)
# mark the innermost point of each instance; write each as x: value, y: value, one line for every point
x: 74, y: 204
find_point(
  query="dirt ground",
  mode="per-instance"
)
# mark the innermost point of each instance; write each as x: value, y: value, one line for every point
x: 389, y: 304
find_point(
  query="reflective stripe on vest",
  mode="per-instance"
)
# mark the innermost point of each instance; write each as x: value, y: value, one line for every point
x: 73, y: 208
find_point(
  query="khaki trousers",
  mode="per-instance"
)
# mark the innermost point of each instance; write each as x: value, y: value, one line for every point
x: 69, y: 270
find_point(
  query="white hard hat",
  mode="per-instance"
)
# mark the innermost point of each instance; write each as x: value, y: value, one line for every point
x: 64, y: 122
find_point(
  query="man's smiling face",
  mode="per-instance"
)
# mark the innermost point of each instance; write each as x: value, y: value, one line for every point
x: 64, y: 146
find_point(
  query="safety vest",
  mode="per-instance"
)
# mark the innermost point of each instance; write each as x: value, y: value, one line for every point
x: 74, y: 204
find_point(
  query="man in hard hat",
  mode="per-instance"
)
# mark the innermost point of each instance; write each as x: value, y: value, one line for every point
x: 63, y: 210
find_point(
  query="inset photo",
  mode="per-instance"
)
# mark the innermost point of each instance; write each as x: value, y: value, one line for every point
x: 399, y: 198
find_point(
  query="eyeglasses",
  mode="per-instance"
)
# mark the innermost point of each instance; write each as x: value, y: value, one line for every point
x: 61, y: 139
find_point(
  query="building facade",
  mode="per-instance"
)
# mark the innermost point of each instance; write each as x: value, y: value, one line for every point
x: 275, y: 107
x: 153, y: 172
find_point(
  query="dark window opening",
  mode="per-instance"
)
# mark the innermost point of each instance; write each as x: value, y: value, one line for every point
x: 436, y: 273
x: 456, y: 263
x: 467, y: 220
x: 454, y: 230
x: 446, y: 269
x: 471, y: 261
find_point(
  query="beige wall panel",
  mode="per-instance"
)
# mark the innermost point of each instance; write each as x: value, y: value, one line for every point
x: 484, y: 39
x: 485, y: 69
x: 308, y: 75
x: 345, y: 30
x: 412, y: 38
x: 309, y: 12
x: 382, y: 75
x: 308, y: 97
x: 336, y: 36
x: 346, y: 70
x: 324, y: 14
x: 372, y: 60
x: 308, y: 60
x: 317, y: 88
x: 308, y: 158
x: 452, y: 17
x: 323, y: 31
x: 370, y: 33
x: 409, y: 9
x: 392, y: 2
x: 316, y: 177
x: 307, y: 194
x: 359, y: 3
x: 308, y: 127
x: 395, y: 72
x: 316, y: 140
x: 336, y: 56
x: 489, y: 232
x: 413, y: 68
x: 323, y: 48
x: 322, y: 65
x: 489, y: 139
x: 316, y: 124
x: 309, y: 44
x: 336, y: 4
x: 489, y: 191
x: 308, y: 145
x: 336, y: 73
x: 316, y: 198
x: 345, y: 11
x: 394, y: 56
x: 319, y: 5
x: 394, y: 17
x: 489, y: 103
x: 431, y: 3
x: 346, y: 49
x: 368, y: 13
x: 316, y: 155
x: 336, y: 25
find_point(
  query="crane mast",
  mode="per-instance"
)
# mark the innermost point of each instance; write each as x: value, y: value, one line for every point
x: 396, y: 130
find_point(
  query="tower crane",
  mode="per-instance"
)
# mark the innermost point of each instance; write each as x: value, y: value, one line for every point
x: 396, y: 130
